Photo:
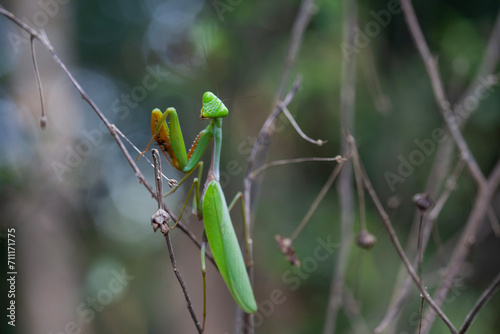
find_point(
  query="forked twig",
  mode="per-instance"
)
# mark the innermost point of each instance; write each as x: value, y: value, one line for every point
x: 486, y: 295
x: 486, y: 187
x: 299, y: 26
x: 247, y: 192
x: 430, y: 219
x: 438, y: 89
x: 393, y: 236
x: 166, y: 233
x: 488, y: 64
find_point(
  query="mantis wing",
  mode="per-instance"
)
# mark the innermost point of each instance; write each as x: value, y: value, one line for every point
x: 225, y: 247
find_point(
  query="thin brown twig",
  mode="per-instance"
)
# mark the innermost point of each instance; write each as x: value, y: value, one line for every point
x: 444, y: 153
x: 393, y: 236
x: 43, y: 119
x: 420, y: 250
x: 344, y: 186
x: 300, y: 24
x: 451, y: 182
x: 486, y: 187
x: 317, y: 201
x: 485, y: 297
x: 306, y: 10
x: 288, y: 115
x: 421, y: 311
x: 159, y: 197
x: 359, y: 185
x: 266, y: 129
x: 248, y: 324
x: 111, y: 128
x: 275, y: 163
x: 430, y: 219
x: 439, y: 93
x: 467, y: 240
x: 260, y: 145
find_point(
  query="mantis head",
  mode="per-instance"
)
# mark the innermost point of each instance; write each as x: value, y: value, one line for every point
x: 212, y: 106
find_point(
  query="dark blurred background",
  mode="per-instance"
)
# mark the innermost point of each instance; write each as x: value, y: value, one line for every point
x: 82, y: 219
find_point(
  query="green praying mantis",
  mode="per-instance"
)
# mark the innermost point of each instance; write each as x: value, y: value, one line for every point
x: 211, y: 204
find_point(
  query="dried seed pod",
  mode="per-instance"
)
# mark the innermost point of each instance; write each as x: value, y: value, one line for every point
x: 43, y: 122
x: 423, y: 201
x: 365, y: 239
x: 285, y: 246
x: 160, y: 221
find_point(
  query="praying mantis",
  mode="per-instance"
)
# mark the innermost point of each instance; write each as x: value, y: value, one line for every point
x: 211, y: 205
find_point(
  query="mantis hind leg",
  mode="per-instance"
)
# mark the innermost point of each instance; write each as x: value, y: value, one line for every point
x: 199, y: 165
x: 196, y: 199
x: 196, y: 184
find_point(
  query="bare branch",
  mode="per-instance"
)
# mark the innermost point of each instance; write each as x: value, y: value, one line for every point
x: 344, y: 187
x: 266, y: 128
x: 43, y: 119
x: 288, y: 115
x: 439, y: 93
x: 449, y: 187
x: 300, y: 24
x: 486, y: 188
x: 166, y: 233
x: 430, y: 219
x: 266, y: 166
x: 467, y: 240
x: 392, y: 234
x: 485, y: 297
x: 247, y: 191
x: 442, y: 162
x: 318, y: 199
